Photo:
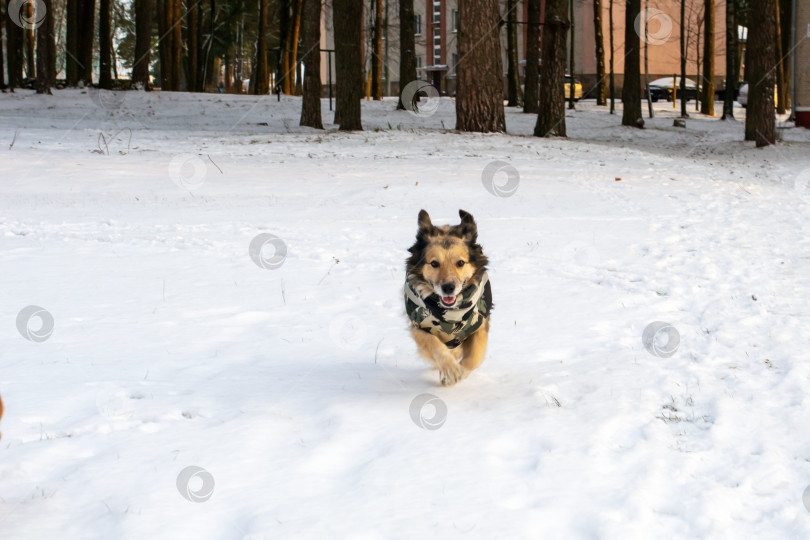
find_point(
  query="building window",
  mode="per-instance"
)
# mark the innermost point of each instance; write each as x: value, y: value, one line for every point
x: 417, y: 24
x: 437, y: 33
x: 455, y: 20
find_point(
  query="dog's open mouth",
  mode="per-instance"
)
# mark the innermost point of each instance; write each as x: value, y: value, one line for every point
x: 448, y: 300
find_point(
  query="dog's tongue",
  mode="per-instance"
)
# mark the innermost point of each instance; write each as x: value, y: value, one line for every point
x: 448, y: 299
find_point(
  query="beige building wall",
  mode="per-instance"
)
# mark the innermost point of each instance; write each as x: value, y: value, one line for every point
x: 802, y: 52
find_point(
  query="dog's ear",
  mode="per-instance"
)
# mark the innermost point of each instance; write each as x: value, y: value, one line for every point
x: 425, y: 225
x: 468, y: 227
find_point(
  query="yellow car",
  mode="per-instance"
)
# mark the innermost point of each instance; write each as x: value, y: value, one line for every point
x: 577, y: 88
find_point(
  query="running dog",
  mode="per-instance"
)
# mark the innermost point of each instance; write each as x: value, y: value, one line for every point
x: 448, y: 297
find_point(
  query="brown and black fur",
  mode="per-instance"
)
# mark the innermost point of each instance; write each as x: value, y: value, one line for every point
x: 447, y: 245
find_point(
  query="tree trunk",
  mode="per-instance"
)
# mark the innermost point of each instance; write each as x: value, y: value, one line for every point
x: 30, y: 42
x: 551, y: 109
x: 648, y: 96
x: 86, y: 37
x: 44, y: 35
x: 631, y: 90
x: 13, y: 54
x: 514, y: 94
x: 600, y: 53
x: 684, y: 112
x: 311, y: 102
x: 262, y: 77
x: 177, y: 43
x: 2, y: 57
x: 731, y: 61
x: 164, y: 12
x: 72, y: 40
x: 762, y: 34
x: 698, y: 80
x: 571, y: 86
x: 786, y: 19
x: 348, y: 24
x: 192, y: 46
x: 612, y: 86
x: 104, y: 44
x: 283, y: 77
x: 532, y: 56
x: 296, y: 29
x: 479, y: 75
x: 707, y: 99
x: 780, y: 71
x: 376, y: 59
x: 407, y: 59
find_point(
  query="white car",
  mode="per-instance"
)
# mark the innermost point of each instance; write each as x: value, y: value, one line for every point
x: 742, y: 97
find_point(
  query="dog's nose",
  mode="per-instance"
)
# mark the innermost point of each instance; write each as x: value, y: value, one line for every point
x: 448, y: 288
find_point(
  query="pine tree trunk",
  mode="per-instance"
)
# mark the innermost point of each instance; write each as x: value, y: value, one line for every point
x: 283, y: 77
x: 72, y: 42
x: 177, y: 44
x: 164, y: 12
x: 479, y: 75
x: 780, y: 72
x: 348, y: 24
x: 731, y: 61
x: 262, y: 77
x: 2, y: 57
x: 571, y: 86
x: 30, y: 43
x: 376, y: 59
x: 514, y: 94
x: 600, y: 53
x: 707, y: 99
x: 13, y: 38
x: 311, y: 101
x: 631, y: 89
x: 295, y: 75
x: 104, y: 44
x: 532, y: 56
x: 551, y: 109
x: 762, y: 34
x: 192, y: 46
x: 786, y: 19
x: 612, y: 85
x: 407, y: 59
x: 682, y: 89
x: 44, y: 35
x: 87, y: 34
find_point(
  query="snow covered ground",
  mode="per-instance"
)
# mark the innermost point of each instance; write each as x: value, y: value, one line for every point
x: 129, y: 218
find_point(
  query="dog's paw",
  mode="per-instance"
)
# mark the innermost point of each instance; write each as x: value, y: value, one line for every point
x: 452, y: 373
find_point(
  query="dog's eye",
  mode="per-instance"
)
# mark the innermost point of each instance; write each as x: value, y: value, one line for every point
x: 460, y: 264
x: 434, y: 264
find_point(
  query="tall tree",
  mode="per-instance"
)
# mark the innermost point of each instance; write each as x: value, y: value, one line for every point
x: 2, y: 57
x: 177, y: 43
x: 514, y: 95
x: 407, y: 59
x: 551, y: 107
x: 348, y: 23
x: 631, y: 89
x: 571, y: 86
x: 44, y: 35
x: 192, y: 45
x: 87, y: 34
x: 30, y: 42
x: 479, y: 73
x: 104, y: 44
x: 311, y: 101
x: 296, y: 29
x: 72, y: 42
x: 707, y: 98
x: 786, y: 20
x: 532, y: 55
x: 13, y: 55
x: 164, y: 43
x: 780, y: 67
x: 285, y: 29
x: 612, y: 51
x: 682, y: 89
x: 600, y: 53
x: 762, y: 34
x: 377, y: 58
x: 731, y: 61
x: 262, y: 76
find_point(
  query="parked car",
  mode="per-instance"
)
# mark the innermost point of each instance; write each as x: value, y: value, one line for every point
x: 662, y: 89
x: 577, y: 88
x: 742, y: 98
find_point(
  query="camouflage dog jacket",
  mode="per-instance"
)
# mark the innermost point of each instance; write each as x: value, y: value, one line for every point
x: 430, y: 315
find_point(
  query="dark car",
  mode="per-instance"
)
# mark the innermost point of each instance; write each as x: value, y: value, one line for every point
x: 662, y: 89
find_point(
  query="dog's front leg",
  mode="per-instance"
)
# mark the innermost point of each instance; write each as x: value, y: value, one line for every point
x: 434, y: 351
